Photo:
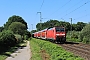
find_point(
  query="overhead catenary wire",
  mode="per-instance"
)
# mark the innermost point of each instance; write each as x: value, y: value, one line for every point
x: 73, y: 6
x: 82, y: 16
x: 77, y: 8
x: 41, y: 5
x: 70, y: 8
x: 40, y: 11
x: 61, y: 7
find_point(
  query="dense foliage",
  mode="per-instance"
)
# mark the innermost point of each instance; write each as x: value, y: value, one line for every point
x: 27, y: 35
x: 17, y: 28
x: 12, y: 35
x: 13, y: 31
x: 18, y: 38
x: 33, y: 31
x: 73, y: 36
x: 47, y: 24
x: 85, y: 34
x: 1, y: 29
x: 14, y: 18
x: 7, y: 38
x: 77, y: 27
x: 80, y: 36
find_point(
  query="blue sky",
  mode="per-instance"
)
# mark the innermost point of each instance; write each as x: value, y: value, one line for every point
x: 62, y: 10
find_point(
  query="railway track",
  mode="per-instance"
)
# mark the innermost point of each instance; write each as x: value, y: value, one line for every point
x: 82, y: 50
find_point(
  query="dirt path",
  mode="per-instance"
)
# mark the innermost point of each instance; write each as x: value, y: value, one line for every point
x: 21, y: 54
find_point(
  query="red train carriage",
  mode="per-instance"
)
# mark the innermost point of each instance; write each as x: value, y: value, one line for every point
x: 56, y: 34
x: 43, y: 34
x: 35, y: 34
x: 39, y: 34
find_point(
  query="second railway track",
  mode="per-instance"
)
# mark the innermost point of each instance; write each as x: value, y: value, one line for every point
x: 82, y: 50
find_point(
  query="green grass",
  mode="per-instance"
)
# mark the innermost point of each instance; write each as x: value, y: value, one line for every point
x: 36, y: 55
x: 2, y: 57
x: 56, y: 52
x: 5, y: 52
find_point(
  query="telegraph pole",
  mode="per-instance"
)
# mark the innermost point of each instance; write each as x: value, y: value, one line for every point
x: 40, y: 19
x: 71, y: 27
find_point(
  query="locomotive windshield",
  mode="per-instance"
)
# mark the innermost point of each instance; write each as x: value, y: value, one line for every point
x: 59, y: 29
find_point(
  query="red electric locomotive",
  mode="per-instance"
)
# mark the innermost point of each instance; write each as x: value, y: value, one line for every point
x: 56, y: 34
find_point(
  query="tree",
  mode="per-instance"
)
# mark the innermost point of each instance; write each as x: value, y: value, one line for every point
x: 17, y: 28
x: 49, y: 23
x: 39, y: 27
x: 65, y: 24
x: 1, y: 29
x: 33, y: 31
x: 74, y: 27
x: 14, y: 18
x: 80, y: 26
x: 7, y: 38
x: 52, y: 23
x: 27, y: 35
x: 85, y: 34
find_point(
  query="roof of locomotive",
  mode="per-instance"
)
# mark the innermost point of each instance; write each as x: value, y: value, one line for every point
x: 55, y: 27
x: 44, y: 29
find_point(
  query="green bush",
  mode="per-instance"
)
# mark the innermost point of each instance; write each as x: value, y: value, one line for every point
x: 75, y: 34
x: 85, y: 34
x: 27, y: 35
x: 7, y: 38
x: 74, y: 37
x: 18, y: 38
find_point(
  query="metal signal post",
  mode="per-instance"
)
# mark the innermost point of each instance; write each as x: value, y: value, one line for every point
x: 40, y: 19
x: 71, y: 27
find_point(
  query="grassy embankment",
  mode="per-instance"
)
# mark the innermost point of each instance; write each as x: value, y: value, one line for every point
x: 54, y: 51
x: 35, y: 49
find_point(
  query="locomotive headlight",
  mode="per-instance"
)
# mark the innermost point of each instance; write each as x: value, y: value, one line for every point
x: 60, y: 34
x: 63, y: 36
x: 57, y: 34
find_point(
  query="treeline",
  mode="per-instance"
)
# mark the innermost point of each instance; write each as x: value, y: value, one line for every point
x: 77, y: 27
x: 14, y: 31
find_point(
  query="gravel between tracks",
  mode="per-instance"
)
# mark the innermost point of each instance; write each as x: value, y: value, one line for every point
x: 21, y: 54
